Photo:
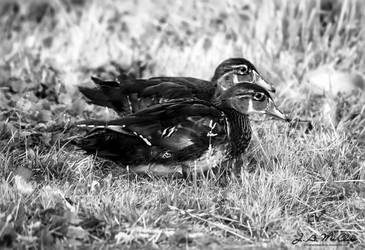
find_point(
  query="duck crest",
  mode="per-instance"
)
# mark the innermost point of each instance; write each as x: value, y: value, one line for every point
x: 238, y: 130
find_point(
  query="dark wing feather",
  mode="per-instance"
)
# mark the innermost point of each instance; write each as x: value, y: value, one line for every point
x: 128, y: 94
x: 167, y: 90
x: 180, y: 129
x: 109, y: 94
x: 114, y: 146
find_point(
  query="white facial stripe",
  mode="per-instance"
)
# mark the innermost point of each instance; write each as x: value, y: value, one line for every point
x: 222, y: 81
x: 235, y: 79
x: 255, y: 74
x: 129, y: 104
x: 269, y: 103
x: 227, y: 126
x: 250, y: 106
x: 255, y: 77
x: 238, y: 66
x: 245, y: 95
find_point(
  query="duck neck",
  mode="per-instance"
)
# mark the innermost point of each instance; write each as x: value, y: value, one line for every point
x: 223, y: 81
x: 239, y: 130
x: 218, y: 92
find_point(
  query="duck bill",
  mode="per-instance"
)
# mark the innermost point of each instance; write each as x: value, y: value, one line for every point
x: 263, y: 83
x: 272, y: 110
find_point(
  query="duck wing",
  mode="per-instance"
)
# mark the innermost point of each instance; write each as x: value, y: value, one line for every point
x: 128, y: 94
x: 168, y: 132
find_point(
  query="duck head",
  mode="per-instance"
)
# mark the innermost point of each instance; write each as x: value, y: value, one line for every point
x: 236, y: 70
x: 247, y: 98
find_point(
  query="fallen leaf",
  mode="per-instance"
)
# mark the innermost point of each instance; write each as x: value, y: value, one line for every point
x: 124, y: 238
x: 23, y: 186
x: 24, y: 172
x: 77, y: 232
x: 21, y: 180
x: 24, y: 105
x: 358, y: 203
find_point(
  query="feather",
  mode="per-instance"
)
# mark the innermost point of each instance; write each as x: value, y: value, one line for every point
x: 179, y: 128
x: 112, y: 84
x: 128, y: 94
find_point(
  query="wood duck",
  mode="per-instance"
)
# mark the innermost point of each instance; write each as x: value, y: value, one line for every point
x: 128, y: 95
x: 181, y: 135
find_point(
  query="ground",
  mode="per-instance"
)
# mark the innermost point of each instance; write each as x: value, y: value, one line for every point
x: 299, y: 184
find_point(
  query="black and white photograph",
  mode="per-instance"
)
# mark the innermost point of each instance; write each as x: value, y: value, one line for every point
x: 199, y: 125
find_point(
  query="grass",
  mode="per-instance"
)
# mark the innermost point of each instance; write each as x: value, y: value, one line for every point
x: 294, y: 180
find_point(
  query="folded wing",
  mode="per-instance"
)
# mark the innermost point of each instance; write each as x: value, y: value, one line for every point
x: 168, y: 132
x: 128, y: 94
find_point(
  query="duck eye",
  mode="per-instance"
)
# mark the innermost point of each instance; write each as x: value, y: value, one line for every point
x: 259, y: 97
x: 243, y: 70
